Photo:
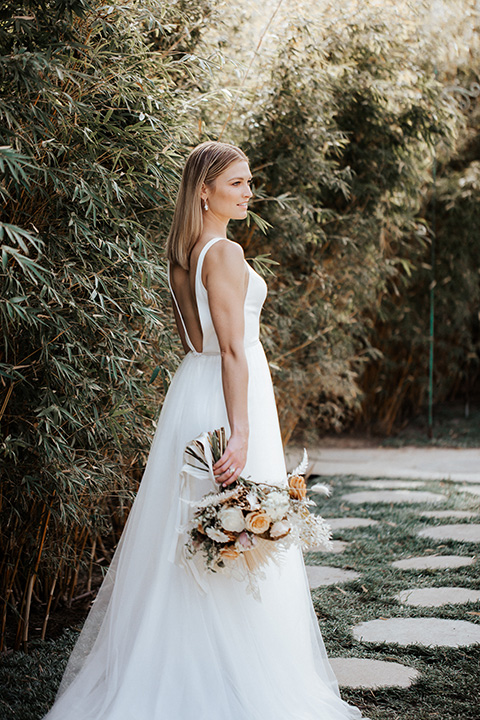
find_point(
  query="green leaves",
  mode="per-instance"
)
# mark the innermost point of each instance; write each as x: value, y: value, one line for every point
x: 93, y: 135
x: 341, y: 133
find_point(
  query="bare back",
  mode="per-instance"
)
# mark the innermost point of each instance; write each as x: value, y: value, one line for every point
x: 183, y: 284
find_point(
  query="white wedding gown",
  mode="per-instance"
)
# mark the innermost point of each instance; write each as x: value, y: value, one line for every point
x: 155, y: 647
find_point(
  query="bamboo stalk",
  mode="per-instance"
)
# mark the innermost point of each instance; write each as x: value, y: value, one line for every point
x: 83, y: 540
x: 7, y: 398
x: 23, y: 626
x: 90, y: 568
x: 49, y: 603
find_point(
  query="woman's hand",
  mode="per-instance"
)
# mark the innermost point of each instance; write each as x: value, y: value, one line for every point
x: 229, y: 467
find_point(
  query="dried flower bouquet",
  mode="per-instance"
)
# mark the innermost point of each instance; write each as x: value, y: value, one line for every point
x: 248, y: 524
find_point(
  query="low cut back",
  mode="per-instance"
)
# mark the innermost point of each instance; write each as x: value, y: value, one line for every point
x: 254, y: 299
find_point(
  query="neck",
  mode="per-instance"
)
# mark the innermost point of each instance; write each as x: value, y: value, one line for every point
x: 214, y: 226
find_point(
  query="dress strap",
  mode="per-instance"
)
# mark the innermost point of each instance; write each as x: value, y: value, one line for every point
x: 187, y: 338
x: 201, y: 258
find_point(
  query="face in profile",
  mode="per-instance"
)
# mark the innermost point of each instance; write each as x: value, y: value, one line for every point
x: 227, y: 197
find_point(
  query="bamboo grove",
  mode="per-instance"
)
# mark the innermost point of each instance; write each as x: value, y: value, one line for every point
x: 99, y: 104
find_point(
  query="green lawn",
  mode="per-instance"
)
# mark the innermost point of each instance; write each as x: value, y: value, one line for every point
x: 448, y: 685
x: 447, y: 688
x: 454, y: 426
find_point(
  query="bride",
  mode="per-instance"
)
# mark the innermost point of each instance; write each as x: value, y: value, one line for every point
x: 156, y: 645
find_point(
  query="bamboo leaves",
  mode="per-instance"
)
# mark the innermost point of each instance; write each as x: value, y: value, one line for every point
x: 92, y: 131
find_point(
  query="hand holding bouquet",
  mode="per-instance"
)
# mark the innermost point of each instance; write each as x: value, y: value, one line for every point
x: 250, y: 522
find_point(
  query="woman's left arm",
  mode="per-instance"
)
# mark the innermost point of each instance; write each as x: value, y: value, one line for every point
x: 226, y: 279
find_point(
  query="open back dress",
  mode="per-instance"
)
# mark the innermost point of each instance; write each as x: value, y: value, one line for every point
x: 155, y: 646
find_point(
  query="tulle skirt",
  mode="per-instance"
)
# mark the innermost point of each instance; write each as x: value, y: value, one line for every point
x: 156, y: 647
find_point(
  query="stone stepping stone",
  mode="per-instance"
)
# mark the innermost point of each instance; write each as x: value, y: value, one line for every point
x: 433, y: 562
x: 440, y: 514
x: 419, y: 631
x: 437, y: 596
x: 338, y: 547
x: 345, y: 523
x: 374, y: 674
x: 393, y: 496
x: 463, y: 532
x: 322, y: 575
x: 433, y: 463
x: 388, y: 484
x: 472, y: 489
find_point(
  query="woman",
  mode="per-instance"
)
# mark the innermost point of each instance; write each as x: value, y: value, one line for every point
x: 154, y: 647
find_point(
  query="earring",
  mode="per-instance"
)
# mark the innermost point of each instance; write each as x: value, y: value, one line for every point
x: 205, y: 206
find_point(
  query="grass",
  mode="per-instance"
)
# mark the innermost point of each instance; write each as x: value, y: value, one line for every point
x: 453, y: 426
x: 447, y: 688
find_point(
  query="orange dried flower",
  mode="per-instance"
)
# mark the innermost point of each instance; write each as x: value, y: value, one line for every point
x: 229, y: 552
x: 257, y: 522
x: 297, y: 487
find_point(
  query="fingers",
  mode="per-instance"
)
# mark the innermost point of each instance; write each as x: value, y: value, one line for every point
x: 227, y: 470
x: 229, y: 476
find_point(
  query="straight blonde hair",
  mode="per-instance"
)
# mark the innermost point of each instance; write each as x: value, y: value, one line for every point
x: 204, y: 164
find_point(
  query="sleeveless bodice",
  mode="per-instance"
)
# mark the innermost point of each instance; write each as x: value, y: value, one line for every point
x: 254, y: 299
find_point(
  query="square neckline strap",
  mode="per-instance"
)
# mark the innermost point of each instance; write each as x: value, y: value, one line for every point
x: 200, y: 260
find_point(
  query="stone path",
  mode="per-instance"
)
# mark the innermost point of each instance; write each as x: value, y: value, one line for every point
x: 390, y: 484
x: 319, y: 575
x: 406, y: 475
x: 433, y: 562
x: 437, y: 596
x: 393, y: 496
x: 473, y: 489
x: 449, y: 513
x: 350, y: 522
x: 461, y: 465
x: 373, y: 674
x: 462, y: 532
x: 419, y: 631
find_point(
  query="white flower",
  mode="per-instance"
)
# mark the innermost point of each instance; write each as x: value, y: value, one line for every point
x: 276, y: 505
x: 252, y: 499
x: 231, y: 518
x: 279, y: 528
x: 321, y: 489
x: 216, y: 535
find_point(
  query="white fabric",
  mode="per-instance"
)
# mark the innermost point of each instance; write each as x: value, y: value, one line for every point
x: 154, y: 646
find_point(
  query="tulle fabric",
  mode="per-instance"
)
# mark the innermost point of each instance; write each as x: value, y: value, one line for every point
x: 154, y: 647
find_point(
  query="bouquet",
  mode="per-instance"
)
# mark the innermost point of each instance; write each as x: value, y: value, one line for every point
x: 248, y: 524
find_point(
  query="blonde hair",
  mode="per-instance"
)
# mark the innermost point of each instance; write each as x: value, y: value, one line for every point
x: 204, y: 164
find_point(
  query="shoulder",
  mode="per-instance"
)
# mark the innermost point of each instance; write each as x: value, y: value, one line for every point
x: 224, y: 265
x: 226, y: 254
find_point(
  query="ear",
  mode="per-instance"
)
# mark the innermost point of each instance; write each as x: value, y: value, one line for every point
x: 203, y: 192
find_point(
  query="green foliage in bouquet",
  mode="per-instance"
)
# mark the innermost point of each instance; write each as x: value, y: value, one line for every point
x: 93, y: 115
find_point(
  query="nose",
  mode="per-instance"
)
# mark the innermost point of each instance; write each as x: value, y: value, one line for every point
x: 248, y: 192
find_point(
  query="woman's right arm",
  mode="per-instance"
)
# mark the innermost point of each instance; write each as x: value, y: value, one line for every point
x: 226, y: 279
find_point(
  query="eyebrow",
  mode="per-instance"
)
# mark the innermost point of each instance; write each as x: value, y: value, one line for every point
x: 240, y: 178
